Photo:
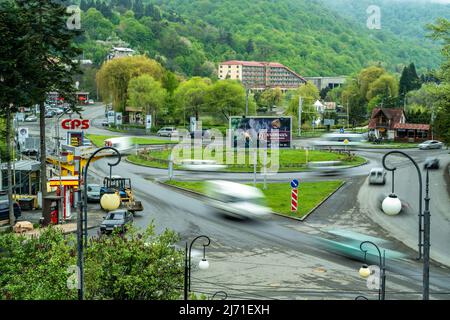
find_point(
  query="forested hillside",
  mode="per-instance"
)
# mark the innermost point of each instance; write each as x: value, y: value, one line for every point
x: 406, y: 19
x: 190, y: 37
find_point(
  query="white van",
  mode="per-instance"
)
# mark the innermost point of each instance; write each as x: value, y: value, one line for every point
x: 122, y: 144
x: 237, y: 199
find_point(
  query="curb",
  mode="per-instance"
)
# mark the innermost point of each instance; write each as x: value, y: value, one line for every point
x: 447, y: 177
x: 273, y: 212
x: 249, y: 172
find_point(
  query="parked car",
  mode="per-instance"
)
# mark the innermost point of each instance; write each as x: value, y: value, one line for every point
x: 118, y: 219
x: 93, y: 192
x: 105, y: 123
x: 90, y: 101
x: 4, y: 207
x: 31, y: 119
x: 431, y: 163
x: 377, y: 176
x: 167, y: 132
x: 431, y: 144
x: 50, y: 114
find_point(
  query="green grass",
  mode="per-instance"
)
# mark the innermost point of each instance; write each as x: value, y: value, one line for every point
x: 289, y: 160
x: 390, y: 145
x: 98, y: 140
x: 278, y: 195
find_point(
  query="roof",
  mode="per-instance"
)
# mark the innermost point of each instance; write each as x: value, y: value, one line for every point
x: 23, y: 165
x: 260, y: 64
x: 412, y: 126
x: 393, y: 114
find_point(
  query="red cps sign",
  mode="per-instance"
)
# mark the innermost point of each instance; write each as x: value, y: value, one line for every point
x: 72, y: 124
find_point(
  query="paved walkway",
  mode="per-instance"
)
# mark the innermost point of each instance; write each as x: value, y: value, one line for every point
x: 404, y: 226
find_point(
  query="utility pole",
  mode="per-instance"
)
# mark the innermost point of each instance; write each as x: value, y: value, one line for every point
x: 300, y: 107
x: 246, y: 101
x: 426, y: 242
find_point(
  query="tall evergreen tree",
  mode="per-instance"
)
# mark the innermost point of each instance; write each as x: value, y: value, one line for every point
x: 49, y: 63
x: 84, y: 5
x: 250, y: 48
x: 138, y: 8
x: 409, y: 79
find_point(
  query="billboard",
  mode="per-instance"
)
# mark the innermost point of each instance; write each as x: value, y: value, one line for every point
x: 265, y: 127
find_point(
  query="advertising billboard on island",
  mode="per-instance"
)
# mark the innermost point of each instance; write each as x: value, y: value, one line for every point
x: 270, y: 128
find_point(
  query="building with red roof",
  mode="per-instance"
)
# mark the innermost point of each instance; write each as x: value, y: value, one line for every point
x: 390, y: 123
x: 260, y: 75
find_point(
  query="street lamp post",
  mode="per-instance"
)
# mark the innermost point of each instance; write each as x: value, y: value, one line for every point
x: 203, y: 265
x: 393, y: 205
x: 85, y: 182
x: 364, y: 271
x: 82, y: 208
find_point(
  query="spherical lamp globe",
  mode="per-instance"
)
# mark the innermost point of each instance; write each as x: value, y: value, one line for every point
x: 364, y: 271
x: 391, y: 205
x: 204, y: 264
x: 110, y: 201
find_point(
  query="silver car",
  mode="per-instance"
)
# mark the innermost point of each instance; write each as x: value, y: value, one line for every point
x: 431, y: 144
x: 93, y: 193
x: 167, y: 132
x: 377, y: 176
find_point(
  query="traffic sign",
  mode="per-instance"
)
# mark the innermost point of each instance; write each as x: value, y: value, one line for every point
x: 346, y: 141
x: 342, y: 130
x: 294, y: 183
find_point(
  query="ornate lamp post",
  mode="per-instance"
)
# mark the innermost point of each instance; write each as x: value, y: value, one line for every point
x: 82, y: 209
x: 203, y: 265
x: 391, y: 206
x: 365, y: 271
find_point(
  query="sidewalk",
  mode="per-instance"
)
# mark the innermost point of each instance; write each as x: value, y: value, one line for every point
x: 404, y: 226
x: 95, y: 218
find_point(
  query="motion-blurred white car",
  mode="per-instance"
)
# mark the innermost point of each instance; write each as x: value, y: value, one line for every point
x: 431, y: 144
x: 201, y: 165
x: 237, y: 199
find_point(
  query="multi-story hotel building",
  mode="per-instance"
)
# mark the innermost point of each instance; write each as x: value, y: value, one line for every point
x: 260, y: 75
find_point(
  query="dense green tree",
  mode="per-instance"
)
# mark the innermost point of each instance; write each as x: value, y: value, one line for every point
x: 250, y: 48
x: 114, y: 76
x: 140, y: 266
x: 270, y: 98
x: 226, y: 98
x: 147, y: 94
x: 310, y: 94
x: 84, y: 5
x: 138, y: 8
x: 192, y: 97
x: 441, y: 31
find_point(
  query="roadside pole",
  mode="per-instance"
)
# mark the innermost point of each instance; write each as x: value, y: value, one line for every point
x: 300, y: 107
x: 265, y: 168
x: 254, y: 167
x: 170, y: 166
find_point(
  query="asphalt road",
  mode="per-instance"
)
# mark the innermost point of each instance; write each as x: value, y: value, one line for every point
x: 278, y: 258
x: 260, y: 246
